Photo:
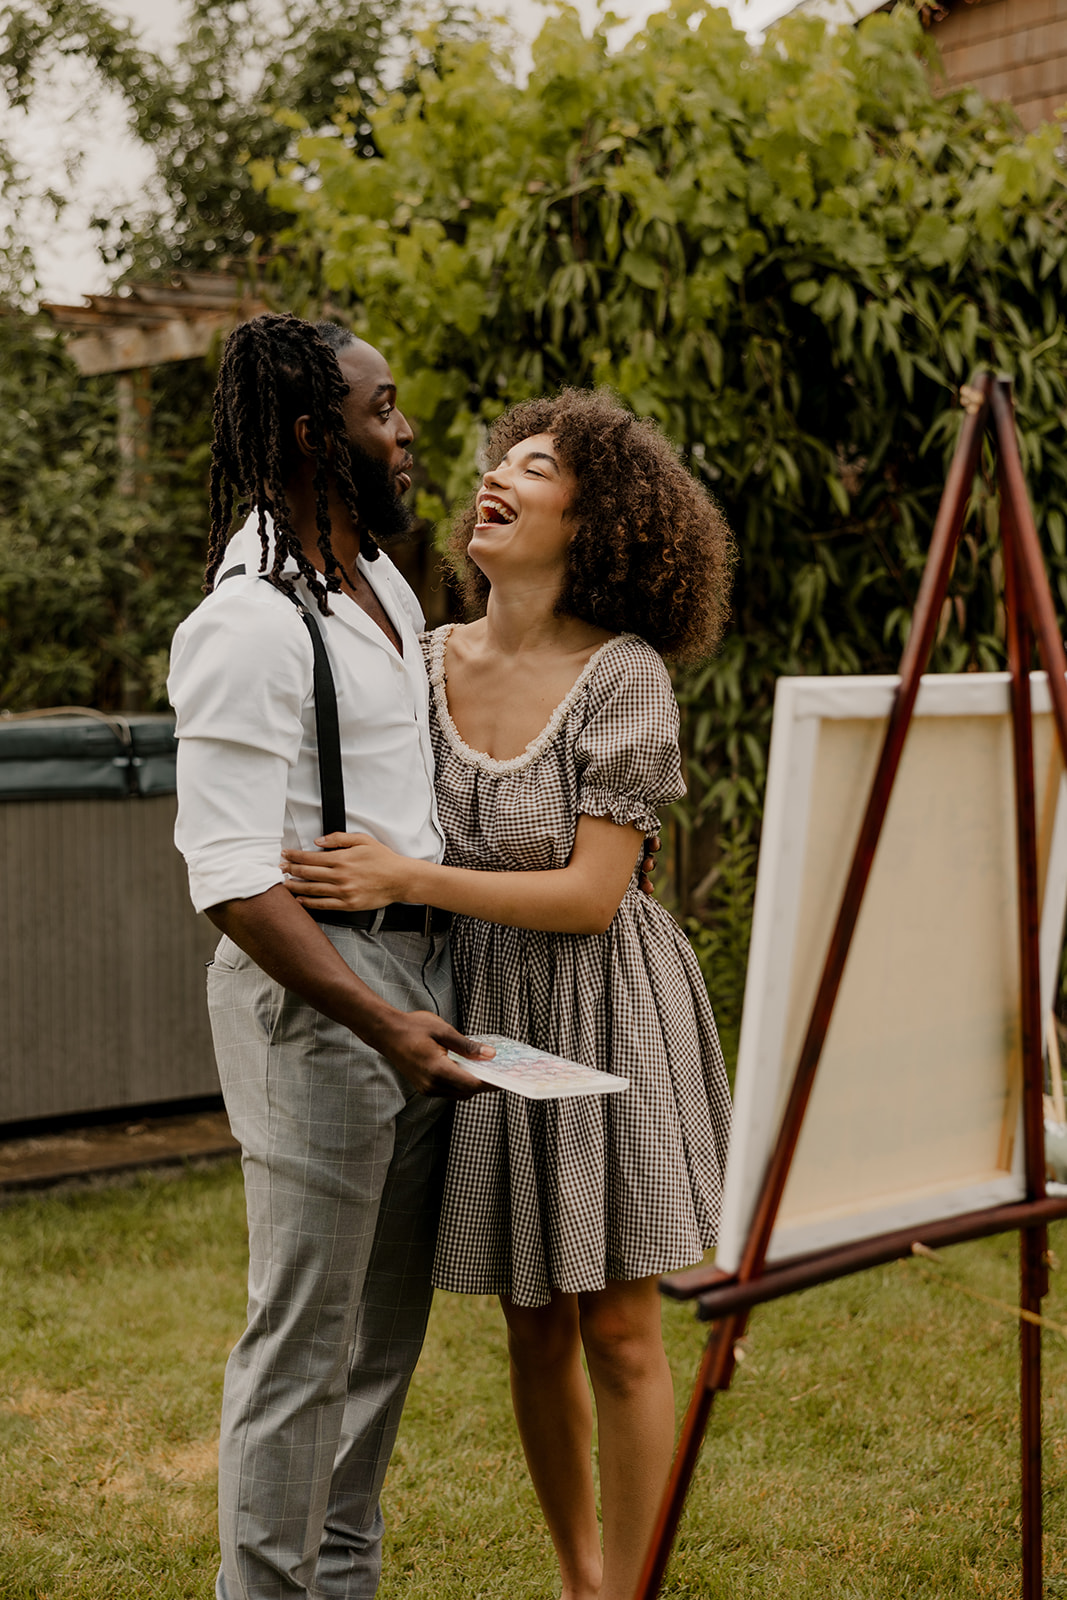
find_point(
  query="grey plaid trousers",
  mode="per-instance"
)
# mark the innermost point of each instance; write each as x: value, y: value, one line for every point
x: 343, y: 1168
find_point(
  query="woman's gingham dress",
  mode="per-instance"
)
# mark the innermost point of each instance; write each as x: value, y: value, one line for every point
x: 566, y: 1194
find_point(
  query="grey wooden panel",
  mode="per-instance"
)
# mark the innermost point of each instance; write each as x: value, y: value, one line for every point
x: 101, y: 960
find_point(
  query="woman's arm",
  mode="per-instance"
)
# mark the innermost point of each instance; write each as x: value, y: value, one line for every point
x: 358, y: 874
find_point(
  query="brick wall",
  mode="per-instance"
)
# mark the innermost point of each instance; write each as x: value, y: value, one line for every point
x: 1011, y: 50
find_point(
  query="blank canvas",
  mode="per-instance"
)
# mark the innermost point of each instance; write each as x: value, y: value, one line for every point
x: 916, y: 1110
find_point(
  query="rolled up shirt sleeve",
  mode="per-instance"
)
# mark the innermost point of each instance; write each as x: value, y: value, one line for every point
x: 241, y: 676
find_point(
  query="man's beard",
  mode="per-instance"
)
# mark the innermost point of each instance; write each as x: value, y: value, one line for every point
x: 379, y: 504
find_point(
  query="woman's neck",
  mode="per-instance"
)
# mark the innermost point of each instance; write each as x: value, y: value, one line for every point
x: 523, y: 619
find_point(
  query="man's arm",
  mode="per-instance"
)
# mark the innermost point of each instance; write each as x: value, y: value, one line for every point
x: 241, y: 674
x: 283, y: 940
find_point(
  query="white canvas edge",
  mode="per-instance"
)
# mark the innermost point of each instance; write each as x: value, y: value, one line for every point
x: 794, y: 737
x: 968, y: 694
x: 799, y: 705
x: 1051, y: 937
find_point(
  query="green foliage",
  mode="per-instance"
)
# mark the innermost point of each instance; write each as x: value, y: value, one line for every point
x: 92, y: 583
x: 791, y: 255
x: 720, y: 941
x: 205, y: 107
x: 18, y: 268
x: 209, y: 109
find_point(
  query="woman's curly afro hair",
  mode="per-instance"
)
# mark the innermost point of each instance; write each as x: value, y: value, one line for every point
x: 651, y: 552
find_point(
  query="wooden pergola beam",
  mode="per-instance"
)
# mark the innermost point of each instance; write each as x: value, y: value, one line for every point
x: 154, y: 323
x: 125, y: 349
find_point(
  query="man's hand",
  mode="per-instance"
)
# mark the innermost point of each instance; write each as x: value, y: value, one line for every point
x: 282, y: 939
x: 648, y: 865
x: 413, y: 1042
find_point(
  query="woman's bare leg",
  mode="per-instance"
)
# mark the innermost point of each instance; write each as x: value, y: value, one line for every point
x: 555, y: 1417
x: 620, y: 1329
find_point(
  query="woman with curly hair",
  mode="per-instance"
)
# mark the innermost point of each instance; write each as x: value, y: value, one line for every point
x: 591, y: 553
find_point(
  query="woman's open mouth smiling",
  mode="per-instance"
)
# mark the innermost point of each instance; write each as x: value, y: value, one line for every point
x: 491, y: 510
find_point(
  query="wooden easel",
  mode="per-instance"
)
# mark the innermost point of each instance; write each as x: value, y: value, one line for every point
x: 727, y: 1299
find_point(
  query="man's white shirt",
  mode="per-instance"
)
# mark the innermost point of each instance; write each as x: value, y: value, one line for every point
x: 241, y: 686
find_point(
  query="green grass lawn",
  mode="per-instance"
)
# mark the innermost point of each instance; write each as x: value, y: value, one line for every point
x: 869, y: 1445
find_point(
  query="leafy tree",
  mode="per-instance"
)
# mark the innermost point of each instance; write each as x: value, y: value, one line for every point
x: 202, y: 108
x: 92, y: 584
x: 791, y: 255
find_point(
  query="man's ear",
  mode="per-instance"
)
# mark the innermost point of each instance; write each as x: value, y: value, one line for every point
x: 302, y: 435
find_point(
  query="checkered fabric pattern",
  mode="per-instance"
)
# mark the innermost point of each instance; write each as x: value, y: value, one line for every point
x: 568, y: 1194
x: 343, y: 1166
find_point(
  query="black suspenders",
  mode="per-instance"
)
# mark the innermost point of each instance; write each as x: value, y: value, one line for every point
x: 425, y: 920
x: 327, y: 727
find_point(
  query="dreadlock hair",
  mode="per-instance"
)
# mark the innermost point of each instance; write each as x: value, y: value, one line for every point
x: 275, y: 369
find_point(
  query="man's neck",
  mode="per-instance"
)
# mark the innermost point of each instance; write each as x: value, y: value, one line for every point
x: 344, y: 541
x: 344, y: 528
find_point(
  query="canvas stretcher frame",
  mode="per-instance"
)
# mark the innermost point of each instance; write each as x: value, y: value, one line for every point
x: 916, y: 1112
x: 726, y: 1297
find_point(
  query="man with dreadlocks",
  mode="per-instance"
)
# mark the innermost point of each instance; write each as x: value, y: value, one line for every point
x: 330, y: 1033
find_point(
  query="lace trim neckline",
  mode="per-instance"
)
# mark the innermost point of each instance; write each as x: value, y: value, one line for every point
x: 537, y: 746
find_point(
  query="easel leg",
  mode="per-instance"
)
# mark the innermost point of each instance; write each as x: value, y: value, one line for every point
x: 1033, y: 1242
x: 715, y: 1372
x: 1033, y: 1284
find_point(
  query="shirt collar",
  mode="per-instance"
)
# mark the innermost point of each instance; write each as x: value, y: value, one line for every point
x: 245, y: 546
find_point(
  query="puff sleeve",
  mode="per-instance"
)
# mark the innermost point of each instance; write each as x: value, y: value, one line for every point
x: 627, y: 750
